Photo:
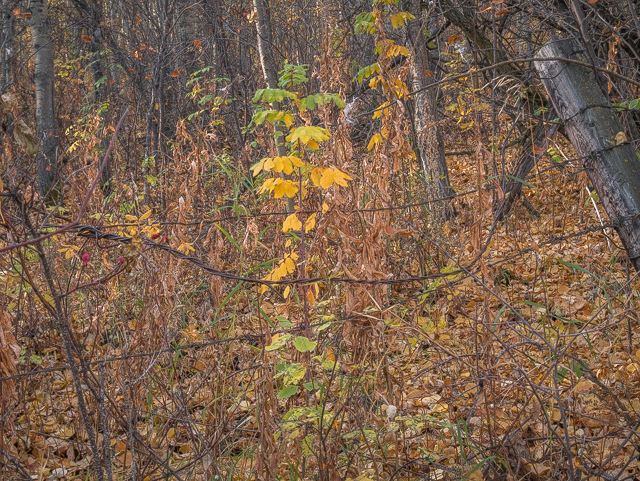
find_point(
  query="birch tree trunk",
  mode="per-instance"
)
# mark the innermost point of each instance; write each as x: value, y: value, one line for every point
x: 591, y: 123
x: 40, y: 31
x: 425, y: 120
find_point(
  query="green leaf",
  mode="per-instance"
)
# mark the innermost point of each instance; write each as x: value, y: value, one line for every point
x: 278, y: 342
x: 303, y: 344
x: 577, y: 368
x: 562, y: 373
x: 273, y: 95
x: 512, y: 177
x: 287, y: 391
x: 368, y: 71
x: 578, y: 268
x: 284, y: 322
x: 634, y: 103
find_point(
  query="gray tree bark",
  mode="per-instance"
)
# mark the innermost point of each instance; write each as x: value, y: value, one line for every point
x: 525, y: 162
x: 6, y: 44
x: 93, y: 14
x: 595, y: 131
x: 40, y: 30
x: 425, y: 120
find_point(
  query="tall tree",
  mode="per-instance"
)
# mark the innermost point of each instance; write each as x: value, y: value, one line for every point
x: 40, y: 30
x: 428, y: 136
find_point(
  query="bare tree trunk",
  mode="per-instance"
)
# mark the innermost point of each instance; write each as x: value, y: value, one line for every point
x: 425, y: 121
x: 6, y: 44
x: 598, y: 137
x: 93, y: 12
x: 265, y: 39
x: 525, y: 162
x: 40, y: 30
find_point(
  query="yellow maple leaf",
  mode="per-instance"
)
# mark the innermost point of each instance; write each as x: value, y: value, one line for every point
x: 291, y: 222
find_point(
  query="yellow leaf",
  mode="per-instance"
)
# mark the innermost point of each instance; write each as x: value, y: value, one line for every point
x: 286, y: 291
x: 269, y: 164
x: 281, y: 271
x: 258, y: 167
x: 131, y: 218
x: 290, y: 189
x: 325, y: 207
x: 268, y: 185
x: 291, y: 222
x: 312, y: 144
x: 327, y: 179
x: 296, y: 161
x: 383, y: 109
x: 306, y: 133
x: 284, y: 187
x: 287, y: 119
x: 290, y: 265
x: 263, y: 288
x: 186, y: 248
x: 316, y: 175
x: 340, y: 178
x: 278, y: 164
x: 311, y: 298
x: 376, y: 139
x: 145, y: 216
x: 310, y: 223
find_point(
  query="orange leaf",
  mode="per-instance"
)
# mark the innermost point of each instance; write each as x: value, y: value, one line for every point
x: 143, y: 47
x: 86, y: 38
x: 453, y: 39
x: 149, y: 77
x: 175, y: 73
x: 538, y: 150
x: 197, y: 43
x: 502, y: 12
x: 132, y: 70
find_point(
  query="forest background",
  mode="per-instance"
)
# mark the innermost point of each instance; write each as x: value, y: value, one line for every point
x: 312, y: 239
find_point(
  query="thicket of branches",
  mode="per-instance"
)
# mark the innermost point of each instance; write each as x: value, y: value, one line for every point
x: 310, y: 240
